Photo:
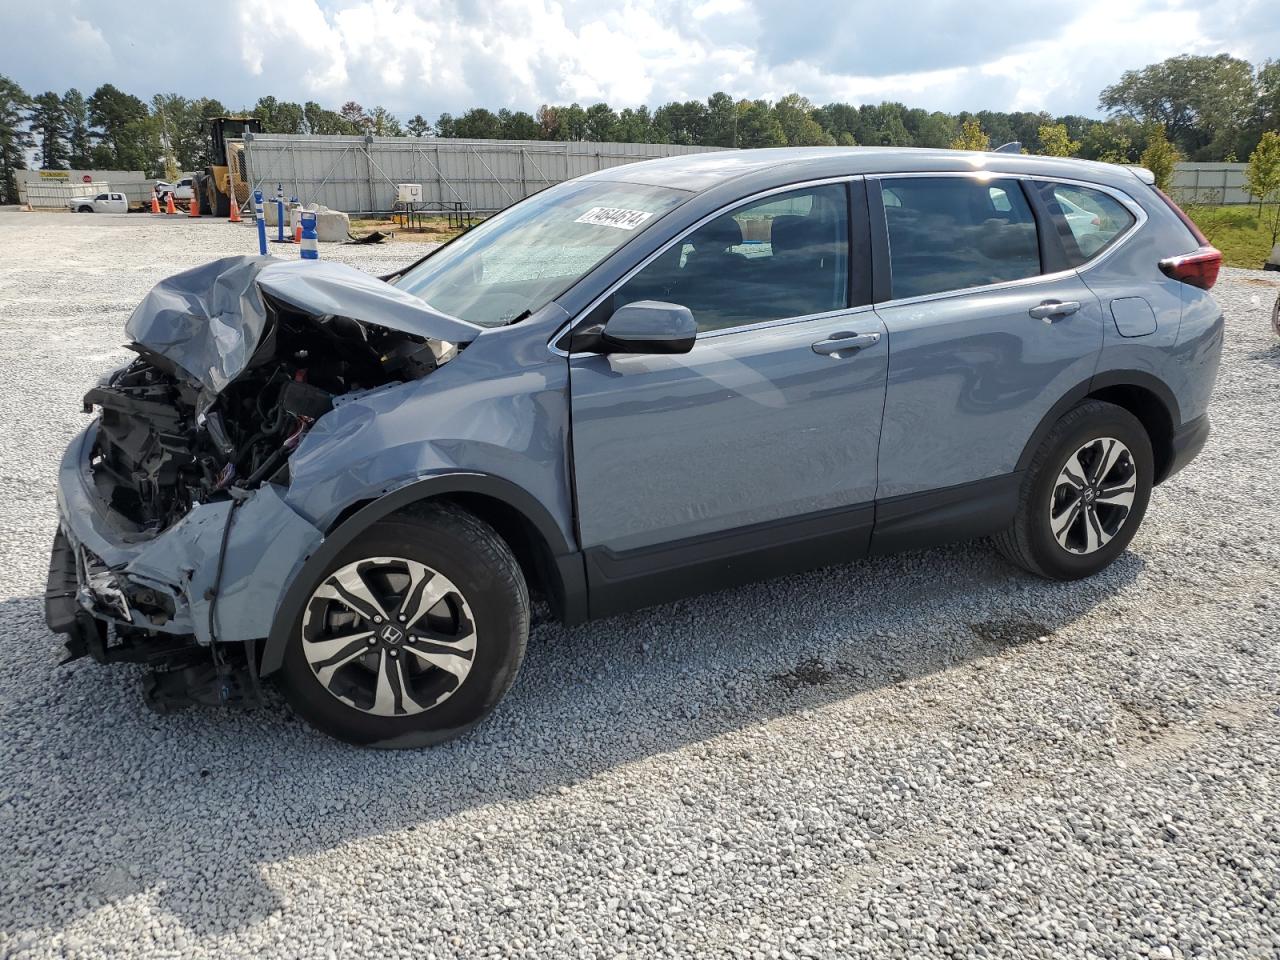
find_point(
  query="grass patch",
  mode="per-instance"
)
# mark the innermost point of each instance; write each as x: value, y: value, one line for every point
x: 1240, y: 233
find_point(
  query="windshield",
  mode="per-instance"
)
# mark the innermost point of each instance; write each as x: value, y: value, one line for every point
x: 527, y: 255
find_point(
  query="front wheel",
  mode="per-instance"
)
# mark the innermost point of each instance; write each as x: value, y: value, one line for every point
x: 412, y: 635
x: 1084, y: 494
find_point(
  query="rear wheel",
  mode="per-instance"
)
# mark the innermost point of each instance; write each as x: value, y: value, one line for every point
x: 412, y: 635
x: 1084, y: 494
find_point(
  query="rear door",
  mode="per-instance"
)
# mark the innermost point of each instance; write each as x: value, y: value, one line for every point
x: 987, y: 332
x: 756, y: 451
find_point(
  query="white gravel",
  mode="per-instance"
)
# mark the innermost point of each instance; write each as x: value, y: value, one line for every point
x: 919, y: 756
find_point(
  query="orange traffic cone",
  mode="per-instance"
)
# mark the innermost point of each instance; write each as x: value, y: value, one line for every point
x: 235, y: 204
x: 169, y: 208
x: 297, y: 234
x: 193, y: 209
x: 155, y: 201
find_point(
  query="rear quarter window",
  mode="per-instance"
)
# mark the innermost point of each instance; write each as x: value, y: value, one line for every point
x: 1088, y: 221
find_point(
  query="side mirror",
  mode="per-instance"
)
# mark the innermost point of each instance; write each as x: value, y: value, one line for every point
x: 648, y: 326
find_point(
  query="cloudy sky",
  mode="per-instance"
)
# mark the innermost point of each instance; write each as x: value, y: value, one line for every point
x: 428, y: 56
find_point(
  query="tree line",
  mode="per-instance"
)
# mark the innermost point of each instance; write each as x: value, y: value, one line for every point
x: 1195, y: 107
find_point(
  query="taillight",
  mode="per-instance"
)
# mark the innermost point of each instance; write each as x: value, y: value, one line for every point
x: 1199, y: 268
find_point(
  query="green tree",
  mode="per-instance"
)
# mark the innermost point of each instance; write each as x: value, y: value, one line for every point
x: 324, y: 122
x: 721, y: 125
x: 1159, y: 157
x: 49, y: 123
x: 971, y: 136
x: 795, y: 117
x: 518, y: 125
x: 758, y: 125
x: 15, y: 139
x: 446, y: 126
x: 383, y: 123
x: 635, y: 125
x: 280, y: 116
x: 1263, y: 177
x: 1269, y: 95
x: 79, y: 146
x: 678, y: 122
x: 478, y: 124
x: 937, y: 130
x: 1118, y: 140
x: 418, y: 126
x: 573, y: 123
x: 601, y: 122
x: 1055, y: 141
x: 1201, y: 102
x: 126, y: 137
x: 839, y: 120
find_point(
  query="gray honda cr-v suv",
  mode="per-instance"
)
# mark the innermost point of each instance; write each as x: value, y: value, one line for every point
x: 652, y: 381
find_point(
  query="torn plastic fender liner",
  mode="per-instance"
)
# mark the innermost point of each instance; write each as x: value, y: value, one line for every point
x: 209, y: 321
x: 266, y: 545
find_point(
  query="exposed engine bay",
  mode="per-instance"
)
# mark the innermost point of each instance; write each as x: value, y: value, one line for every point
x: 236, y: 360
x: 158, y: 453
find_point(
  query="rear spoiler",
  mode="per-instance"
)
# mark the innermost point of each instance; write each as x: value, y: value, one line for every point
x: 1143, y: 174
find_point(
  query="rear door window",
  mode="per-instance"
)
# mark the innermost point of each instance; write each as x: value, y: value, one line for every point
x: 1089, y: 221
x: 952, y: 233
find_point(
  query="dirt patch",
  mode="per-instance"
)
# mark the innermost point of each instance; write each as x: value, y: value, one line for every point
x: 807, y: 673
x: 1008, y: 632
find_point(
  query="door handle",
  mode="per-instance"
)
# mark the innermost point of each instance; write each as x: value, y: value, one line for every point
x: 839, y: 342
x: 1052, y: 310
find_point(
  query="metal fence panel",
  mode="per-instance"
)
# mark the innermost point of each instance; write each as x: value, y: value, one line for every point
x: 1211, y: 183
x: 360, y: 174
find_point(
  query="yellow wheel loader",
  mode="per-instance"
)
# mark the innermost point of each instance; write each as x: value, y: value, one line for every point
x: 212, y: 189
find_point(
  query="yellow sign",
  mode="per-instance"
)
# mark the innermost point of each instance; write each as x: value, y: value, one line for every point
x: 54, y: 175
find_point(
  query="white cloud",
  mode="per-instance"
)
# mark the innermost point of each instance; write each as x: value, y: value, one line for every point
x: 429, y: 56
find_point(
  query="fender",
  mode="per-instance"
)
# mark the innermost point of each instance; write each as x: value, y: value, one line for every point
x: 567, y: 559
x: 1099, y: 381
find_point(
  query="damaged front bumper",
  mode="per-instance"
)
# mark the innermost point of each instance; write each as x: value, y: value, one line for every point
x: 215, y: 576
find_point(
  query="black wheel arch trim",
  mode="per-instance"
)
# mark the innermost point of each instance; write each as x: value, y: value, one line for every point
x: 1100, y: 381
x: 566, y: 558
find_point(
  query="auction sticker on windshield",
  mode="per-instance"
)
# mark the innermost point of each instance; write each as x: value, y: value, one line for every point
x: 614, y: 217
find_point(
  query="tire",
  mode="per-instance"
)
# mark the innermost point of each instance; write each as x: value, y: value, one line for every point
x: 220, y: 202
x: 387, y: 693
x: 84, y: 209
x: 1061, y: 530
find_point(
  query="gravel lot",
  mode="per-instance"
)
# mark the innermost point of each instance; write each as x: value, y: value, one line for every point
x: 925, y: 755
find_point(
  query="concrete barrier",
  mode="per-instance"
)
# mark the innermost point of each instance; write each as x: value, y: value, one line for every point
x: 332, y: 226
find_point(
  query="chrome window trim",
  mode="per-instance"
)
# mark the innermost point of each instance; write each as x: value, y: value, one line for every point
x: 679, y: 238
x: 1126, y: 201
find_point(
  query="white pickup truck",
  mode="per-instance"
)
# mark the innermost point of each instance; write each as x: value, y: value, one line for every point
x: 101, y: 203
x: 180, y: 190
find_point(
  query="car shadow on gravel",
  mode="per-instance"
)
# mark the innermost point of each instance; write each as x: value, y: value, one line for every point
x: 105, y: 801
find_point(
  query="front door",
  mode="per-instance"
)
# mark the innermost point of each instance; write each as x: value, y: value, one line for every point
x: 756, y: 451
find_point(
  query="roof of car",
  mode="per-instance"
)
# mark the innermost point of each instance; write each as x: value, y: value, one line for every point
x: 701, y: 171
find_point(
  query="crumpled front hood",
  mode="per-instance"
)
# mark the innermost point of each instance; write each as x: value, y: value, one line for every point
x: 209, y: 320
